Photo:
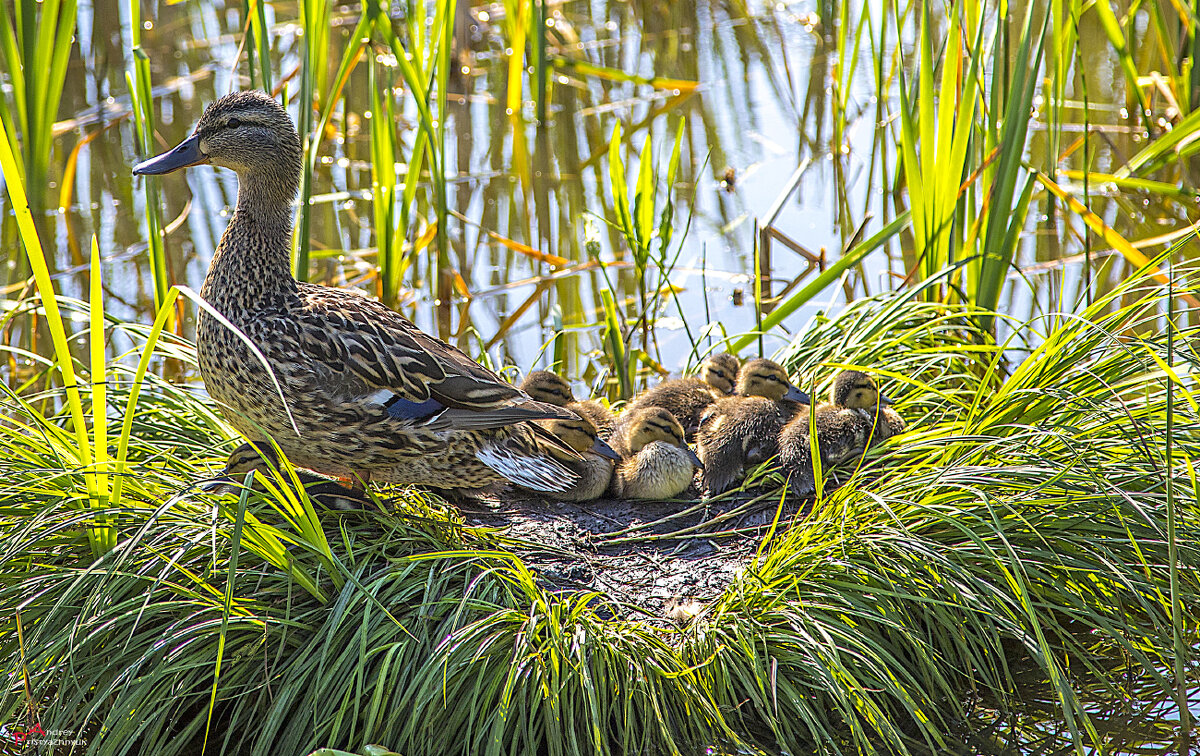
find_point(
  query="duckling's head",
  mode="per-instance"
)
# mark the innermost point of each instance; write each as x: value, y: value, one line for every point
x: 763, y: 377
x: 579, y: 434
x: 720, y: 371
x: 651, y: 424
x: 548, y: 387
x: 248, y: 132
x: 856, y: 390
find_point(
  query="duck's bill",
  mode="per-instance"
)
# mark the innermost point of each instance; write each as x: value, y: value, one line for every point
x: 886, y: 400
x: 691, y: 455
x: 186, y: 153
x: 604, y: 450
x: 796, y: 395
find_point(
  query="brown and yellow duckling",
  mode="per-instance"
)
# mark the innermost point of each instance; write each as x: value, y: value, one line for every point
x: 551, y: 388
x: 344, y: 385
x: 687, y: 398
x: 656, y: 461
x: 593, y: 463
x: 743, y: 431
x: 855, y: 418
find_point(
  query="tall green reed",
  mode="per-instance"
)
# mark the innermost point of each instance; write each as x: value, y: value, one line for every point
x: 389, y: 231
x: 314, y: 64
x: 138, y: 80
x: 423, y: 60
x: 78, y: 446
x: 647, y: 227
x: 36, y: 39
x: 258, y: 52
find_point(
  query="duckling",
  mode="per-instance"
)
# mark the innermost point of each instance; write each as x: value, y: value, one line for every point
x: 345, y: 386
x: 687, y: 398
x: 551, y: 388
x: 743, y: 431
x: 595, y: 463
x: 657, y: 463
x: 855, y: 418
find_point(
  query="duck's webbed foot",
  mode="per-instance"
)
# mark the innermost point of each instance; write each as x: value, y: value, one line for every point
x: 341, y: 493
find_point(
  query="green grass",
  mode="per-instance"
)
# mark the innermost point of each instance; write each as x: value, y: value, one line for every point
x: 1015, y: 535
x: 1032, y: 535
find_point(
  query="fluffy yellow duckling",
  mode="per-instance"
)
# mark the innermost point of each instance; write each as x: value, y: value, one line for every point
x: 687, y: 398
x: 594, y: 466
x: 855, y: 418
x: 742, y: 431
x: 656, y: 461
x: 551, y: 388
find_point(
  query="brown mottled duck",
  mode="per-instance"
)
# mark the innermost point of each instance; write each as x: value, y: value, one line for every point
x: 353, y: 389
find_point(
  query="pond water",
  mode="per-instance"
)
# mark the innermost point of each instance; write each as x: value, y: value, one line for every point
x: 773, y: 119
x: 767, y: 127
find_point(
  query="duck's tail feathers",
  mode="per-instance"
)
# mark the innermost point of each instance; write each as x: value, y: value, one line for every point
x: 526, y: 468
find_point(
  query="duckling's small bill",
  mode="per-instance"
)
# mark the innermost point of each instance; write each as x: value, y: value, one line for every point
x: 794, y: 394
x: 604, y: 450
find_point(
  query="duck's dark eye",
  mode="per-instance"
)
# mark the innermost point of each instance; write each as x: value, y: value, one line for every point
x: 232, y: 123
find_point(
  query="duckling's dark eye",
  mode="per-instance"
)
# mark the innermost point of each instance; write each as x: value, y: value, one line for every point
x: 233, y: 123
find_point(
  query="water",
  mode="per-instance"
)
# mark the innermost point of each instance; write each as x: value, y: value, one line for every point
x: 765, y: 102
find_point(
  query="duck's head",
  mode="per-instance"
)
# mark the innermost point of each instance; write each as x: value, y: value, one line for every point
x: 720, y: 371
x: 248, y: 132
x: 856, y: 390
x: 652, y: 424
x: 581, y: 435
x: 763, y: 377
x: 551, y: 388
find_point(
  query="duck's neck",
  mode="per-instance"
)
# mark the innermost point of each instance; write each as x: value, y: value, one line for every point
x: 251, y: 270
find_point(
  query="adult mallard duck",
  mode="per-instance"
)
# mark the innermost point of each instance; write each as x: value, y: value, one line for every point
x: 855, y: 418
x: 687, y: 398
x: 552, y: 388
x: 742, y: 431
x: 593, y: 462
x: 656, y: 461
x: 369, y: 397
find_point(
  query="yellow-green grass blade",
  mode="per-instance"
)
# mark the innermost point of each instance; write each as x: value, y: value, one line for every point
x: 666, y: 220
x: 54, y: 322
x: 1178, y: 143
x: 848, y: 260
x: 644, y: 192
x: 99, y: 478
x: 139, y: 377
x: 226, y: 607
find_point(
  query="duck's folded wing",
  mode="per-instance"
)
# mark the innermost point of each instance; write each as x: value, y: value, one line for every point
x: 411, y: 375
